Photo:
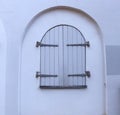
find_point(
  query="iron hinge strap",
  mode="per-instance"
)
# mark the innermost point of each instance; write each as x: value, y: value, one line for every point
x: 87, y: 73
x: 45, y: 45
x: 87, y: 43
x: 44, y: 75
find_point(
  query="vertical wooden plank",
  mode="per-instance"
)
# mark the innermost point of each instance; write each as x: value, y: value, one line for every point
x: 60, y: 35
x: 75, y: 56
x: 65, y: 61
x: 56, y: 56
x: 70, y: 55
x: 47, y: 59
x: 83, y: 61
x: 42, y: 61
x: 80, y: 63
x: 51, y: 57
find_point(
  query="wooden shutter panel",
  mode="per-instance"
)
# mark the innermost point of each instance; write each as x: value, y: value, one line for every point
x: 63, y: 58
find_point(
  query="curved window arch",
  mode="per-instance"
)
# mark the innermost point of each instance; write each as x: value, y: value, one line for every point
x: 63, y: 58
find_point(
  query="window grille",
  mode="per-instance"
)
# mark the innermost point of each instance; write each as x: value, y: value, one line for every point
x: 63, y: 58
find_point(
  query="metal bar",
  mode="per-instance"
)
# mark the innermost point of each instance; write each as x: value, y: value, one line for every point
x: 64, y: 87
x: 76, y: 75
x: 87, y: 73
x: 46, y: 75
x: 45, y: 45
x: 75, y: 44
x: 48, y: 45
x: 85, y: 44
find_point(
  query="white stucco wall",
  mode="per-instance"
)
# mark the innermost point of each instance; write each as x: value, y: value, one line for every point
x: 2, y: 67
x: 16, y: 15
x: 60, y: 100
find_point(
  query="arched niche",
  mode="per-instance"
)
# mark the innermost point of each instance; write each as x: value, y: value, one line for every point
x: 30, y: 63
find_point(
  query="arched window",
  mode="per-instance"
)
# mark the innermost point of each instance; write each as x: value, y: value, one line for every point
x: 63, y: 58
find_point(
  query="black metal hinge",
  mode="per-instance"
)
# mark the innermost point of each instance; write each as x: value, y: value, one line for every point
x: 77, y: 75
x: 64, y: 87
x: 37, y: 74
x: 44, y: 75
x: 45, y: 45
x: 87, y: 73
x: 87, y: 43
